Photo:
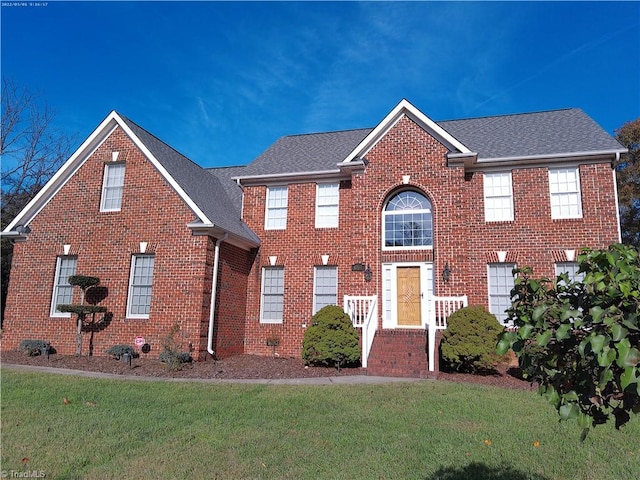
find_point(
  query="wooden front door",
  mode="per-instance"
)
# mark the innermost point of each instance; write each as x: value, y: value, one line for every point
x: 409, y: 296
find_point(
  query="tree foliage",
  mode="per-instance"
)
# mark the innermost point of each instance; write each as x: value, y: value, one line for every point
x: 628, y: 175
x: 32, y: 150
x: 581, y: 340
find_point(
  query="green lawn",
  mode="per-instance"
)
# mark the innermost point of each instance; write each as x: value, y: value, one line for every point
x: 425, y: 430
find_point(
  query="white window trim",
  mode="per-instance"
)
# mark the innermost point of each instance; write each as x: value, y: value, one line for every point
x: 315, y: 278
x: 103, y: 197
x: 268, y: 209
x: 54, y: 295
x: 400, y: 248
x: 505, y: 264
x: 335, y: 220
x: 137, y: 316
x: 510, y: 218
x: 578, y: 192
x: 270, y: 321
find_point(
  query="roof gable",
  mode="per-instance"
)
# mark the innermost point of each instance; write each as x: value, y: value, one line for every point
x: 203, y: 193
x: 405, y: 108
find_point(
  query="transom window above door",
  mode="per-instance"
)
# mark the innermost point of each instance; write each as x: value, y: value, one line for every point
x: 408, y: 221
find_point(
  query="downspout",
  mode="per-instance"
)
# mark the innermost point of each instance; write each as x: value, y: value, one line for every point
x: 615, y: 188
x: 214, y: 288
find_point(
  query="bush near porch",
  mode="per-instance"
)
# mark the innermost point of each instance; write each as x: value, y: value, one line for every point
x: 469, y: 342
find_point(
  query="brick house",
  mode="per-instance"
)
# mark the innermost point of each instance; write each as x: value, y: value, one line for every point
x: 400, y: 224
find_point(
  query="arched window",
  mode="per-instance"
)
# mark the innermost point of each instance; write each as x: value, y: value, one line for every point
x: 408, y: 221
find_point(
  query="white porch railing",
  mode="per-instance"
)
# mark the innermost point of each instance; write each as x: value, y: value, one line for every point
x: 439, y: 310
x: 363, y: 312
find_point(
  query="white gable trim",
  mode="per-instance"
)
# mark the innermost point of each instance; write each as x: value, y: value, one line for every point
x: 405, y: 108
x: 79, y: 157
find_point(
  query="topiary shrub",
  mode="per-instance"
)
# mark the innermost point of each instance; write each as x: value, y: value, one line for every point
x: 117, y: 351
x: 469, y: 342
x: 34, y: 347
x: 331, y: 339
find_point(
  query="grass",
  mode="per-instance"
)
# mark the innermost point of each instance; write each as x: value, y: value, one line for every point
x: 427, y: 430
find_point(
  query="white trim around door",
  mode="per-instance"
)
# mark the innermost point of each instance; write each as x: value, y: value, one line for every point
x: 390, y: 292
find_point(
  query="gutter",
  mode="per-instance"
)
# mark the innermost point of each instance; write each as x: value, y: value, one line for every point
x: 214, y: 289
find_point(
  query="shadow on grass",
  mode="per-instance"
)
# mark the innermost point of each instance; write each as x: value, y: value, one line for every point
x: 479, y: 471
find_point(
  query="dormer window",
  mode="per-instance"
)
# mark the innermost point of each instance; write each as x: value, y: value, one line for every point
x: 112, y: 187
x: 408, y: 221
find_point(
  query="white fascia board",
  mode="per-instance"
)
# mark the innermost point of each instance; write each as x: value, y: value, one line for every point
x: 555, y: 160
x: 212, y: 230
x: 295, y: 177
x: 65, y: 172
x: 154, y: 161
x: 405, y: 108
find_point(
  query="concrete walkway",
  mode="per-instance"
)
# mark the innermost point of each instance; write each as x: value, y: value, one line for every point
x: 341, y: 380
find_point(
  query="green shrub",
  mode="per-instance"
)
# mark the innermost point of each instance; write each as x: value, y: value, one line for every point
x: 34, y: 347
x: 173, y: 351
x: 331, y: 339
x: 175, y: 360
x: 469, y: 342
x: 119, y: 350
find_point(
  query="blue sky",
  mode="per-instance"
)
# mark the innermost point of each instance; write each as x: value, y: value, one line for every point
x: 221, y: 81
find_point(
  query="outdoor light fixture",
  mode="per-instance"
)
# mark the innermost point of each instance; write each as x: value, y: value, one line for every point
x: 368, y: 274
x: 446, y: 273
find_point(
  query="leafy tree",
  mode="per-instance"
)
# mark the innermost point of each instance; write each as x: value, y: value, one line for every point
x: 581, y: 340
x: 32, y: 150
x: 628, y: 175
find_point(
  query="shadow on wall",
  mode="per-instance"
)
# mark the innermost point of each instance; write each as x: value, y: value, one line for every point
x: 481, y: 471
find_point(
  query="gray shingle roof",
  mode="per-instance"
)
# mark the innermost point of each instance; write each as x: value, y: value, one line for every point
x: 529, y: 134
x: 553, y: 132
x: 306, y: 153
x: 207, y: 191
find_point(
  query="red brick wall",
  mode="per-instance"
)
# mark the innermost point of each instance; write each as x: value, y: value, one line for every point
x: 231, y: 301
x: 461, y: 236
x: 104, y: 242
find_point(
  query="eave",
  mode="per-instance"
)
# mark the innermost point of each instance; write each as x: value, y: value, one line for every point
x: 295, y: 177
x: 471, y: 163
x: 209, y: 229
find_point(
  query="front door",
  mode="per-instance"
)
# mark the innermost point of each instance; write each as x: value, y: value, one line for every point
x: 409, y: 296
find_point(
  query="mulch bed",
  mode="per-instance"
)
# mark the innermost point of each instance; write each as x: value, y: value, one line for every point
x: 239, y: 367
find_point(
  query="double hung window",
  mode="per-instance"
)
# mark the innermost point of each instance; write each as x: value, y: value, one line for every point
x: 272, y: 297
x: 276, y: 213
x: 500, y: 284
x: 325, y: 287
x: 327, y: 199
x: 62, y: 289
x: 112, y: 187
x: 564, y: 189
x: 140, y: 284
x: 498, y: 197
